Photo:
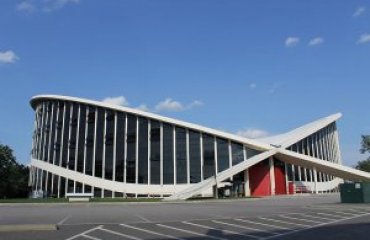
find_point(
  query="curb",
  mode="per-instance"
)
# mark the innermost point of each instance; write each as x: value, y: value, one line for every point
x: 28, y: 227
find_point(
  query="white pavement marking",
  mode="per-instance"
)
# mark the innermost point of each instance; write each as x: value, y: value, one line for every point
x: 63, y: 220
x: 85, y: 232
x: 119, y: 234
x: 262, y: 224
x: 331, y: 215
x: 90, y: 237
x: 151, y: 232
x: 356, y: 211
x: 223, y: 230
x: 243, y: 227
x: 285, y: 222
x: 315, y: 217
x: 300, y: 219
x: 346, y: 213
x: 144, y: 219
x: 190, y: 232
x: 311, y: 227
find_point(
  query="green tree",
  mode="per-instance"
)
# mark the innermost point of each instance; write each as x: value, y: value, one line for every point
x: 365, y: 148
x: 13, y: 176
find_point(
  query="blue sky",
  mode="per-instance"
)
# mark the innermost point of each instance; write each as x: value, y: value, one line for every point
x: 253, y: 67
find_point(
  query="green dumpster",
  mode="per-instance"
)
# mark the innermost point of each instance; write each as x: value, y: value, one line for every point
x: 358, y: 192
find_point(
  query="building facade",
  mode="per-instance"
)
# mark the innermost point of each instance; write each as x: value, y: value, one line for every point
x: 84, y: 146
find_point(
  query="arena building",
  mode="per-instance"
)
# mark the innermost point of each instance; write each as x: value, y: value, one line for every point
x: 84, y: 146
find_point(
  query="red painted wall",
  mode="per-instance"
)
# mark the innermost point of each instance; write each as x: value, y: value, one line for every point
x: 279, y: 170
x: 259, y: 179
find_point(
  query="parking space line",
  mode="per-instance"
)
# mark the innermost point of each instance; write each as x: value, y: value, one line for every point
x: 331, y: 215
x: 356, y: 211
x: 300, y: 219
x: 315, y: 217
x: 90, y: 237
x: 346, y: 213
x: 151, y: 232
x: 85, y: 232
x: 285, y: 222
x: 223, y: 230
x: 316, y: 226
x: 243, y: 227
x: 262, y: 224
x: 190, y: 232
x: 119, y: 234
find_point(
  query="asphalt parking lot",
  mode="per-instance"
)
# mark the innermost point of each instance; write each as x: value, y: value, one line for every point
x: 303, y: 217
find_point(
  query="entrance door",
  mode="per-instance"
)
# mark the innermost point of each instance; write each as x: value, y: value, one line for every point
x: 259, y: 179
x: 280, y: 181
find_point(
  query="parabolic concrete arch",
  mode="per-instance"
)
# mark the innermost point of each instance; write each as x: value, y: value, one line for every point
x: 85, y: 146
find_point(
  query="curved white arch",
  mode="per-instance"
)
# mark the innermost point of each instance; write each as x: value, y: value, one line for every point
x: 246, y: 141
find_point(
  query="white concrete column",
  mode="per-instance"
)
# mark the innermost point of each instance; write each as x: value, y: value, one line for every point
x: 247, y: 190
x: 286, y: 178
x: 293, y: 176
x: 315, y: 180
x: 272, y: 176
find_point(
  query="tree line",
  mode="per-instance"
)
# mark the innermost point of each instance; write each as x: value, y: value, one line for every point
x: 13, y: 175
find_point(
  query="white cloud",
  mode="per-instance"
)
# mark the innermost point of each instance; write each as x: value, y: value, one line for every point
x: 364, y: 38
x: 194, y: 104
x: 359, y: 11
x: 26, y: 6
x: 8, y: 57
x: 57, y: 4
x: 170, y: 105
x: 143, y: 107
x: 43, y: 5
x: 252, y: 86
x: 291, y: 41
x: 120, y: 100
x: 316, y: 41
x: 252, y: 133
x: 275, y: 86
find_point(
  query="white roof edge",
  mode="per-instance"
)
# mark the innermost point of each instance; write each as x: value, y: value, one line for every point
x: 255, y: 143
x: 297, y: 134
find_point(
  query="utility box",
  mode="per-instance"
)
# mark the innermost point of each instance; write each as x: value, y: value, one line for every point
x: 358, y: 192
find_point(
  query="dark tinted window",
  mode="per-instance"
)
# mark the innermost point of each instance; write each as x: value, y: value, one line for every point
x: 181, y: 168
x: 194, y: 156
x: 168, y: 154
x: 62, y: 187
x: 90, y: 140
x: 49, y: 115
x: 65, y: 137
x: 208, y: 156
x: 143, y: 151
x: 131, y: 148
x: 81, y: 139
x: 52, y: 132
x: 109, y: 141
x: 251, y: 152
x: 120, y: 146
x: 59, y: 128
x: 99, y: 143
x: 78, y: 187
x: 55, y: 185
x: 155, y: 153
x: 222, y: 154
x: 73, y: 137
x: 237, y: 153
x: 43, y: 113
